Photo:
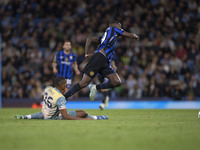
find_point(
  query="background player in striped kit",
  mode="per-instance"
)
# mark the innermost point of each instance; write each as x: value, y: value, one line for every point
x: 99, y: 62
x: 64, y: 63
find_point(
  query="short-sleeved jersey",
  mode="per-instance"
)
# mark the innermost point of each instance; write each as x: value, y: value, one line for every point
x: 53, y: 102
x: 109, y: 40
x: 64, y: 64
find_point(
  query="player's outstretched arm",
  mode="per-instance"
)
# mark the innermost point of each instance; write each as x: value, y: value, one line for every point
x: 54, y: 65
x: 114, y: 65
x: 75, y: 67
x: 90, y: 40
x: 66, y: 116
x: 131, y: 35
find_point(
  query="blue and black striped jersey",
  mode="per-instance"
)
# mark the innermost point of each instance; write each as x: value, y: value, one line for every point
x: 108, y: 41
x: 64, y: 64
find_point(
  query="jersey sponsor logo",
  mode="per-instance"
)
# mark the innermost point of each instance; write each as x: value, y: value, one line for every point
x: 66, y: 63
x: 112, y: 38
x: 69, y: 81
x: 91, y: 73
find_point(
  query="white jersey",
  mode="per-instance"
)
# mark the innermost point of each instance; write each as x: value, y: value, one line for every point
x: 53, y: 102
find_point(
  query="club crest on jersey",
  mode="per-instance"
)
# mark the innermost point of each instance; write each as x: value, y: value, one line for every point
x: 66, y: 59
x: 91, y: 73
x: 71, y: 57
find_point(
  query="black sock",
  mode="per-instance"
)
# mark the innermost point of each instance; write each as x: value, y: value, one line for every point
x: 72, y: 90
x: 105, y: 85
x: 105, y: 94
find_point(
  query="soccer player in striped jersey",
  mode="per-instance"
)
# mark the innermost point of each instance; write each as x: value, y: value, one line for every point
x: 99, y: 61
x: 54, y: 106
x: 64, y: 63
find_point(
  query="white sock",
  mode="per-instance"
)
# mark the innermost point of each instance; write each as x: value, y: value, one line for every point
x: 95, y: 117
x: 28, y: 116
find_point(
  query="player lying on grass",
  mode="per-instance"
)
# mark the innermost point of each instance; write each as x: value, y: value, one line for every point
x: 54, y: 106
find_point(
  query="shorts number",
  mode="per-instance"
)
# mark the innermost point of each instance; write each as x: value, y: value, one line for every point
x: 47, y: 100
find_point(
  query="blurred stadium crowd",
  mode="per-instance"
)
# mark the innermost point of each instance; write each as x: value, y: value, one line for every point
x: 163, y: 64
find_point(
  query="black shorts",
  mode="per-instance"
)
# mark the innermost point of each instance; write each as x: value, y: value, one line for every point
x: 102, y: 79
x: 98, y: 64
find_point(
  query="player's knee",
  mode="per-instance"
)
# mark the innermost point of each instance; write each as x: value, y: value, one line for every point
x: 117, y: 83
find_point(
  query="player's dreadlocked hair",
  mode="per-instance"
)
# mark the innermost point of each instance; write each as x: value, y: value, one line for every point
x: 58, y: 81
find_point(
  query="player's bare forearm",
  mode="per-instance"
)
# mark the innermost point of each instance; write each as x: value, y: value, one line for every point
x: 113, y: 65
x: 75, y: 67
x: 89, y: 41
x: 131, y: 35
x: 87, y: 47
x: 66, y: 116
x: 54, y: 65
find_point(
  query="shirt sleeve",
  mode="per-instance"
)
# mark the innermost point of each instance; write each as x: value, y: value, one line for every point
x: 74, y: 58
x: 61, y: 103
x: 119, y: 31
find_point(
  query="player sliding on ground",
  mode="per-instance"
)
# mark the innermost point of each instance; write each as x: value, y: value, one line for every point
x: 54, y: 106
x: 99, y: 62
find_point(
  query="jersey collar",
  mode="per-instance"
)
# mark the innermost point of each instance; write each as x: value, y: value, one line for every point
x: 57, y: 90
x: 66, y: 54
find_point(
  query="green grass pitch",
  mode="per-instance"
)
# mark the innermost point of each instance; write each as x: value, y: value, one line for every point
x: 125, y: 130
